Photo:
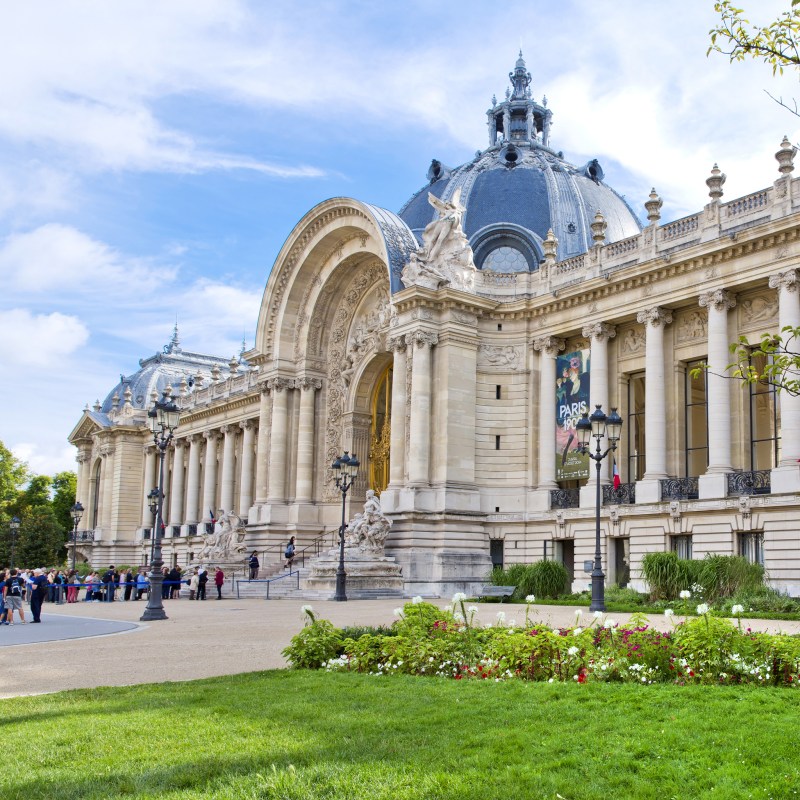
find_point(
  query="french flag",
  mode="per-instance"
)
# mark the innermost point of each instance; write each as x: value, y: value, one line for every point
x: 617, y: 481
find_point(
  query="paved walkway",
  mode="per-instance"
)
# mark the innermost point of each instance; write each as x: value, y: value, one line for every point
x: 79, y: 646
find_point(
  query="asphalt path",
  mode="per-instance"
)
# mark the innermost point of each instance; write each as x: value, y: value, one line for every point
x: 85, y: 645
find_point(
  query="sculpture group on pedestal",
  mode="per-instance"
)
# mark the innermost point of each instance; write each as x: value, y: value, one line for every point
x: 445, y: 258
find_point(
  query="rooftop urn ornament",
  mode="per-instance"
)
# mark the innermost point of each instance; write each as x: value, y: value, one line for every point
x: 599, y: 229
x: 215, y: 373
x: 128, y: 395
x: 198, y: 380
x: 653, y: 207
x: 233, y: 366
x: 97, y: 405
x: 715, y: 182
x: 183, y: 386
x: 785, y: 157
x: 115, y: 401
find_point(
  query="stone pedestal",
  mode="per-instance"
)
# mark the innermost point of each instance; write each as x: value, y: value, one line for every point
x: 369, y: 575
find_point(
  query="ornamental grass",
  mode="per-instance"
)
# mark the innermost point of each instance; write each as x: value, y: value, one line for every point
x: 429, y: 641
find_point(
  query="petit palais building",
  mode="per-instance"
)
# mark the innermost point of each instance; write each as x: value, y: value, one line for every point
x: 452, y: 346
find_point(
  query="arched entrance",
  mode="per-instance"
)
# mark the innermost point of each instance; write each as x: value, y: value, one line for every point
x: 380, y: 432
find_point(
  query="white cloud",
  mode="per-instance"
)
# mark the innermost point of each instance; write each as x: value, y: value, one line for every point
x: 38, y: 340
x: 46, y: 460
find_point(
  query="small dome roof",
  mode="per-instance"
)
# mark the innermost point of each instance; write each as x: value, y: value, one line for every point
x: 519, y: 188
x: 167, y: 368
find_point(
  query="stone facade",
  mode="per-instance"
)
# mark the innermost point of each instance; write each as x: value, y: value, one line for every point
x: 707, y: 466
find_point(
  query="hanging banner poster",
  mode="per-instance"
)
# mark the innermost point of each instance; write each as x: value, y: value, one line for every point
x: 572, y: 400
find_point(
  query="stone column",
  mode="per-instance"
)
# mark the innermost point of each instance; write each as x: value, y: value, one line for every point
x: 83, y: 490
x: 279, y: 439
x: 786, y: 476
x: 150, y: 482
x: 598, y: 334
x: 655, y: 404
x: 304, y: 485
x: 420, y: 423
x: 246, y: 479
x: 178, y: 483
x: 548, y: 347
x: 107, y: 454
x: 262, y: 450
x: 718, y: 397
x: 210, y: 474
x: 228, y: 464
x: 193, y: 480
x: 398, y: 421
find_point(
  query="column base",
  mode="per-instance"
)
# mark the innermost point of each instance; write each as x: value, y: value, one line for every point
x: 785, y: 479
x: 648, y: 490
x: 713, y: 485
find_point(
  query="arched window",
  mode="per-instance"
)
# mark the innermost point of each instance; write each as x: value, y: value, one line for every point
x: 505, y: 259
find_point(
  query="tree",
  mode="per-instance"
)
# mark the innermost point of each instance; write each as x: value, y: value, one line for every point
x: 774, y: 360
x: 41, y: 542
x: 777, y: 44
x: 65, y: 485
x: 14, y: 474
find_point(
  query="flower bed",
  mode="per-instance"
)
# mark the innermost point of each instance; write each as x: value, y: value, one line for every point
x: 429, y: 641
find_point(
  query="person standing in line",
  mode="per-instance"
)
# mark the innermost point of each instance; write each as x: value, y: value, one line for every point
x: 174, y: 583
x: 252, y: 562
x: 193, y: 581
x: 141, y: 583
x: 219, y: 581
x: 129, y: 584
x: 108, y: 584
x: 202, y: 580
x: 12, y: 597
x: 3, y: 612
x: 39, y: 591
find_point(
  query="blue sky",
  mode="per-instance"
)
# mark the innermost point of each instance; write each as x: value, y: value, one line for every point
x: 155, y: 156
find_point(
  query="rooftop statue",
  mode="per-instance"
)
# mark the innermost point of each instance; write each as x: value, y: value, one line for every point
x: 445, y: 257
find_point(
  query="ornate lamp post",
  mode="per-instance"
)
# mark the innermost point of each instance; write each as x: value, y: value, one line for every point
x: 163, y: 418
x: 14, y: 527
x: 345, y: 471
x: 598, y: 425
x: 76, y: 512
x: 152, y: 502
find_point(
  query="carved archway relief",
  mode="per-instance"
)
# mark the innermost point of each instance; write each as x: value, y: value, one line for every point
x: 331, y: 232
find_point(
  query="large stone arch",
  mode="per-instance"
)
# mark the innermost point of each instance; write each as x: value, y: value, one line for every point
x: 336, y: 233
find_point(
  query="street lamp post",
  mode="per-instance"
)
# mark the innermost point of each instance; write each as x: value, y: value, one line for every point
x: 598, y: 425
x: 76, y: 512
x: 345, y: 471
x: 14, y: 526
x: 163, y: 418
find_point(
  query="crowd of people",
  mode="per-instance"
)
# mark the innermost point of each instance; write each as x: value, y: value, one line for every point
x: 38, y: 586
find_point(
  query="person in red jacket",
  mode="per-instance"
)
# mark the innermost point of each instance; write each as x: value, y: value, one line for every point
x: 219, y: 580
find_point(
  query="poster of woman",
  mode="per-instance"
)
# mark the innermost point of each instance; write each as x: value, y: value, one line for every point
x: 572, y: 400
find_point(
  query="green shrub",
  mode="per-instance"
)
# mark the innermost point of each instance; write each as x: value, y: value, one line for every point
x: 627, y: 596
x: 542, y: 579
x: 724, y: 576
x: 315, y: 645
x: 666, y: 574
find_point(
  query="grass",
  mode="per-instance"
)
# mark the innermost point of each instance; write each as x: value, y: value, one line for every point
x: 298, y: 735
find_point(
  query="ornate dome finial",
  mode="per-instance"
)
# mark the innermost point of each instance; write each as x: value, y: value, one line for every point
x: 174, y: 345
x: 520, y: 79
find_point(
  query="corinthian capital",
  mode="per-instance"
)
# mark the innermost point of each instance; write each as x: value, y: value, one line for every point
x: 306, y: 383
x: 600, y: 331
x: 549, y: 345
x: 279, y: 384
x: 423, y: 338
x: 655, y: 317
x: 397, y: 344
x: 784, y: 280
x: 718, y: 299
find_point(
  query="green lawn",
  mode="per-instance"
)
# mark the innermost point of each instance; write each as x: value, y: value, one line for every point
x: 296, y: 734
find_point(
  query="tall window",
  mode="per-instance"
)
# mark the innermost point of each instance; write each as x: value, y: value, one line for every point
x: 682, y: 546
x: 635, y: 427
x: 751, y: 547
x: 696, y: 420
x: 764, y: 420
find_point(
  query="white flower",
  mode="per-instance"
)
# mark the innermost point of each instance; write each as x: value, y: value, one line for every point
x: 473, y: 610
x: 512, y: 624
x: 458, y: 616
x: 573, y: 651
x: 530, y: 599
x: 668, y: 612
x: 459, y: 597
x: 501, y: 616
x: 610, y: 623
x: 737, y: 609
x: 398, y: 612
x: 578, y: 613
x: 685, y: 594
x: 416, y: 600
x: 306, y: 609
x: 577, y: 632
x: 702, y: 608
x: 551, y: 680
x: 598, y: 614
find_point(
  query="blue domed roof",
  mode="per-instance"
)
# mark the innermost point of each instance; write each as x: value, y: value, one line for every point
x: 519, y: 188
